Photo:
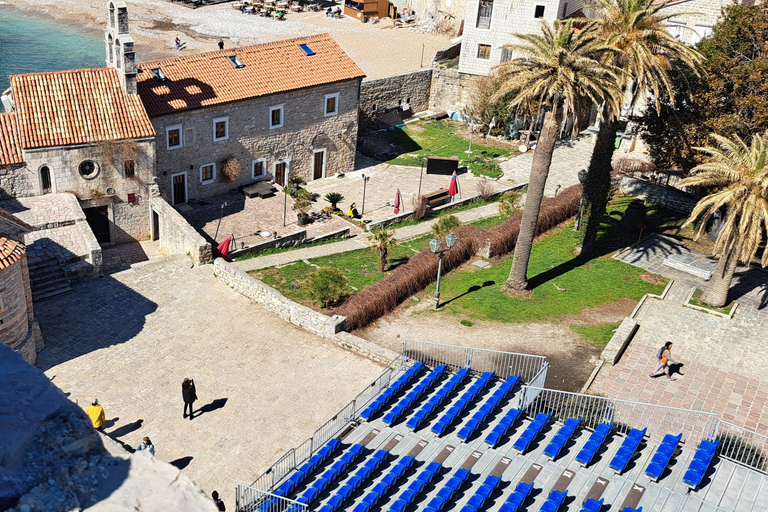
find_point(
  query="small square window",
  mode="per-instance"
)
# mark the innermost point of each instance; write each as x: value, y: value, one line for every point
x: 174, y: 136
x: 539, y: 12
x: 130, y: 168
x: 483, y: 51
x: 276, y: 117
x: 259, y: 168
x: 207, y: 173
x: 331, y: 104
x: 220, y: 129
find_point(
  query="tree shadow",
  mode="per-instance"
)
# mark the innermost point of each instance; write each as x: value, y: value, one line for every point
x: 213, y: 406
x: 182, y: 462
x: 396, y: 262
x: 750, y: 282
x: 471, y: 289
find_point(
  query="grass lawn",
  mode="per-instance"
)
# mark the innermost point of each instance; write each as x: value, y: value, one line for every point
x: 361, y: 267
x: 599, y: 335
x: 439, y: 138
x: 278, y: 250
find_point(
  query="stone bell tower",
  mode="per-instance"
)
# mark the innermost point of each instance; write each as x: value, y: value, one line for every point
x: 119, y: 45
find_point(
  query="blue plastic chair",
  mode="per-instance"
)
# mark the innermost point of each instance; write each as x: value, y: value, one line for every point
x: 627, y: 450
x: 529, y: 435
x: 593, y: 444
x: 700, y: 463
x: 663, y: 455
x: 554, y: 501
x: 562, y: 437
x: 592, y: 505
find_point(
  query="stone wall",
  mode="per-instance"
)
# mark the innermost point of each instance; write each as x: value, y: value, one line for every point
x: 289, y: 240
x: 14, y: 323
x: 131, y: 221
x: 381, y: 95
x: 330, y: 328
x: 668, y: 197
x: 694, y: 17
x: 305, y: 130
x: 177, y: 236
x: 450, y: 89
x: 447, y: 53
x: 16, y: 181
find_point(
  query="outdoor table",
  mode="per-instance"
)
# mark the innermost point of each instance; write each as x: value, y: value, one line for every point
x: 282, y: 4
x: 296, y: 8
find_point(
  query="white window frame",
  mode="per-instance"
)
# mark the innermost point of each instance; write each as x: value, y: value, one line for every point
x: 226, y: 128
x: 282, y: 116
x: 206, y: 182
x: 676, y: 29
x: 186, y: 188
x: 490, y: 50
x: 701, y: 32
x: 287, y: 163
x: 264, y: 168
x: 335, y: 96
x: 168, y: 130
x: 325, y: 161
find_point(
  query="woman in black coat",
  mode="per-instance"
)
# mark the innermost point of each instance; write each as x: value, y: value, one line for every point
x: 189, y: 395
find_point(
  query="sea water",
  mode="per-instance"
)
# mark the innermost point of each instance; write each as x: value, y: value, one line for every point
x: 31, y: 43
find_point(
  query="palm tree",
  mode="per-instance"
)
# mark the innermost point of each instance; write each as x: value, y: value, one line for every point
x: 564, y: 68
x: 738, y: 175
x: 382, y: 241
x: 644, y: 51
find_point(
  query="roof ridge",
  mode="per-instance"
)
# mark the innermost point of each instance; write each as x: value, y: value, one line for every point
x: 62, y: 72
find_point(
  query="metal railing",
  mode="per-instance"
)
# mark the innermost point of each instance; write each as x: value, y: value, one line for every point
x: 742, y: 446
x: 660, y: 420
x: 537, y: 382
x: 476, y: 359
x: 249, y: 499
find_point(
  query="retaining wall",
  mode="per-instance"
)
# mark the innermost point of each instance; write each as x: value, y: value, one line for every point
x: 668, y: 197
x: 177, y: 236
x: 381, y: 95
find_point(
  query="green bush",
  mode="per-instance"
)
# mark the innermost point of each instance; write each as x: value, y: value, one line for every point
x: 327, y: 285
x: 445, y: 225
x: 509, y: 204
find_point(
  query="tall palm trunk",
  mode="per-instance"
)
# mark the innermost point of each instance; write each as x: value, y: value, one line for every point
x: 716, y: 292
x: 542, y: 159
x: 598, y: 185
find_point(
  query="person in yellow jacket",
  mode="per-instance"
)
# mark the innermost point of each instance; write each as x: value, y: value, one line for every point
x: 96, y: 413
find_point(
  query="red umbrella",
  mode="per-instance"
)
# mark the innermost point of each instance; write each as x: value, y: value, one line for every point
x: 397, y: 202
x: 223, y: 247
x: 453, y: 189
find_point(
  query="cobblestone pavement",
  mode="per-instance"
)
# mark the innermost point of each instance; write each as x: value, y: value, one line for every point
x: 125, y: 255
x: 724, y: 359
x: 264, y: 386
x: 50, y: 209
x: 359, y: 242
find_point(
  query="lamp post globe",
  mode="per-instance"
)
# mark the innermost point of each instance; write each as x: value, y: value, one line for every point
x: 450, y: 240
x: 435, y: 244
x: 582, y: 175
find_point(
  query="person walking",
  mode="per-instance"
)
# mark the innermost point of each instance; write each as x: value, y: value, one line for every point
x: 664, y: 357
x: 146, y: 444
x: 221, y: 44
x: 218, y: 502
x: 178, y: 43
x: 96, y: 413
x: 189, y: 395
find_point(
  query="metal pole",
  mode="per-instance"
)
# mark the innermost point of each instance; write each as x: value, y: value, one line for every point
x: 439, y: 271
x: 421, y: 174
x: 422, y: 55
x: 578, y: 213
x: 224, y: 205
x: 365, y: 182
x: 285, y: 205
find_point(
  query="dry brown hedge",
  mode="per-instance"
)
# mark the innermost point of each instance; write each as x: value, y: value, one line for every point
x: 383, y: 296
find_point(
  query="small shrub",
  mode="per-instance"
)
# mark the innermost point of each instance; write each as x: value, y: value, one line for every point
x: 302, y: 201
x: 484, y: 189
x: 296, y: 182
x: 509, y: 204
x: 419, y: 207
x: 327, y: 286
x: 467, y: 323
x: 334, y: 198
x: 445, y: 225
x: 382, y: 241
x: 231, y: 169
x: 328, y: 211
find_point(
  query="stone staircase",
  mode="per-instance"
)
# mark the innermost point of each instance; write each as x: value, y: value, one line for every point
x: 47, y: 279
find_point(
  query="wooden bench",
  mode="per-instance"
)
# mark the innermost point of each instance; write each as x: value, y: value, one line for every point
x: 262, y: 189
x: 437, y: 198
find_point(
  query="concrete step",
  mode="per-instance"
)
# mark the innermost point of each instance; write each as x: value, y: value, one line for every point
x: 51, y: 292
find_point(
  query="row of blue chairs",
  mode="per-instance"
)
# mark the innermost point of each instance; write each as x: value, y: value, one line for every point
x: 700, y: 463
x: 357, y: 481
x: 488, y: 407
x: 444, y: 423
x: 332, y: 474
x: 627, y: 450
x: 445, y: 494
x: 413, y: 396
x: 501, y: 428
x: 663, y: 454
x: 592, y: 505
x: 517, y: 498
x: 423, y: 480
x: 389, y: 481
x: 381, y: 401
x: 314, y: 462
x: 529, y: 434
x: 593, y: 444
x: 562, y: 437
x: 415, y: 422
x: 478, y: 499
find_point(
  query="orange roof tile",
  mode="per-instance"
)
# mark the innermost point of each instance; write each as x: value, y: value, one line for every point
x: 5, y: 214
x: 10, y: 147
x: 204, y: 79
x: 76, y: 107
x: 10, y: 251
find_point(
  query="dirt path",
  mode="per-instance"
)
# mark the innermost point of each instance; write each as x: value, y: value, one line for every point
x: 570, y: 358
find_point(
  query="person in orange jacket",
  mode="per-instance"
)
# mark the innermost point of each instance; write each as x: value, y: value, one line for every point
x: 96, y: 413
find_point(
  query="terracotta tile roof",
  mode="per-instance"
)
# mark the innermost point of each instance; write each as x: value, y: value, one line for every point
x: 10, y: 251
x: 6, y: 215
x: 204, y: 79
x: 76, y: 107
x: 10, y: 147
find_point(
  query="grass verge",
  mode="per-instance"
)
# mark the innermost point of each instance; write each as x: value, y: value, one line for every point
x: 598, y: 335
x: 696, y: 301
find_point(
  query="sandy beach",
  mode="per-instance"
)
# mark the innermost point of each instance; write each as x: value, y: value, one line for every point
x: 379, y: 49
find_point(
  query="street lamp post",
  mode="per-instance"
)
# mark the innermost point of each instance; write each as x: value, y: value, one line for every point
x: 223, y: 205
x: 582, y: 175
x: 365, y: 182
x: 437, y: 248
x: 421, y: 174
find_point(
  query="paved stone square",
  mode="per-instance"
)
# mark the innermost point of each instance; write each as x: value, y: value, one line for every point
x: 264, y: 386
x: 125, y: 255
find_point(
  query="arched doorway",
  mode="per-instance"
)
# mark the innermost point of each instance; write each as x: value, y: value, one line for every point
x: 46, y: 186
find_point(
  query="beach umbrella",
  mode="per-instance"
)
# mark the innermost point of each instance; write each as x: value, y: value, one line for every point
x: 223, y: 247
x: 453, y: 188
x: 397, y: 202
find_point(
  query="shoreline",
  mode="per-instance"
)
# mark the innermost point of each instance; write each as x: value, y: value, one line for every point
x: 380, y: 50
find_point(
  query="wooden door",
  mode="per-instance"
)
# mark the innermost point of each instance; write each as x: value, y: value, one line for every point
x: 318, y: 166
x: 180, y: 188
x: 280, y: 173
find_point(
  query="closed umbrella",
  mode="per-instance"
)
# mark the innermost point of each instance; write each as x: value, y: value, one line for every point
x: 223, y: 247
x: 397, y: 202
x: 453, y: 188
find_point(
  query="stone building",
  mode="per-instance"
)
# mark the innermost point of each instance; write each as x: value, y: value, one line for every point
x: 692, y: 20
x: 18, y: 328
x: 229, y: 118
